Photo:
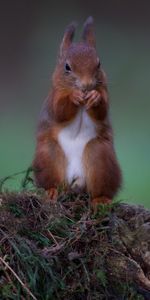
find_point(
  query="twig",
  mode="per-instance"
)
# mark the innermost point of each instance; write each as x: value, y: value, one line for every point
x: 85, y: 270
x: 17, y: 277
x: 52, y: 236
x: 10, y: 281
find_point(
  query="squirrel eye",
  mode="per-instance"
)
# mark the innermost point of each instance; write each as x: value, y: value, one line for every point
x: 67, y: 68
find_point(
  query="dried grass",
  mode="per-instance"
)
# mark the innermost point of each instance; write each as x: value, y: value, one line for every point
x: 55, y: 250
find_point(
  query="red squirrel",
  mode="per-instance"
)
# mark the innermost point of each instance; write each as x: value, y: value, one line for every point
x: 74, y: 138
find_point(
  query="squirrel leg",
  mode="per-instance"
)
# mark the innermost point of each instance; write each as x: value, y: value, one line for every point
x: 103, y: 176
x: 49, y: 166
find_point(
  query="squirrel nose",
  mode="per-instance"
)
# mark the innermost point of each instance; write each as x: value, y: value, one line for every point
x: 87, y: 86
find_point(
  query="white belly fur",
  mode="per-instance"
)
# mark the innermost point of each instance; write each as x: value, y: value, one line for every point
x: 73, y: 139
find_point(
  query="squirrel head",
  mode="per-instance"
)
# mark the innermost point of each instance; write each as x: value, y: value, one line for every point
x: 78, y: 63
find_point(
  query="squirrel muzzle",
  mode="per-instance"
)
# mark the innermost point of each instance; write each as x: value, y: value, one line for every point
x: 86, y: 84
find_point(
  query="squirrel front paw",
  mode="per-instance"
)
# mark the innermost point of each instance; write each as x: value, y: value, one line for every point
x: 77, y: 97
x: 93, y: 99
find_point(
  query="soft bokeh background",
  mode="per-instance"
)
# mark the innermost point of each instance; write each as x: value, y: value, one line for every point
x: 30, y: 34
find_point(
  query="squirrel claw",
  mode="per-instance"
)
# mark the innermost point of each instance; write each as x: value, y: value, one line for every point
x: 77, y: 101
x: 77, y: 97
x: 93, y: 99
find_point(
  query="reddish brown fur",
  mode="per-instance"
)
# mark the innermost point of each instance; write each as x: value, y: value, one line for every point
x: 102, y: 172
x: 49, y: 162
x: 100, y: 112
x: 102, y: 175
x: 63, y: 108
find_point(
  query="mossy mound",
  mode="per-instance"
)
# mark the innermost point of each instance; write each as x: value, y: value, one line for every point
x: 63, y: 251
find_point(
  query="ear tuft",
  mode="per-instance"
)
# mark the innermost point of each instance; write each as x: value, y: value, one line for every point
x: 68, y: 37
x: 88, y: 35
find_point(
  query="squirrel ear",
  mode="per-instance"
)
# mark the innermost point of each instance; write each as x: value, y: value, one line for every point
x: 68, y: 37
x: 88, y: 35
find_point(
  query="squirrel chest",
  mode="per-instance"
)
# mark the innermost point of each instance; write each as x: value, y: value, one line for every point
x: 73, y: 139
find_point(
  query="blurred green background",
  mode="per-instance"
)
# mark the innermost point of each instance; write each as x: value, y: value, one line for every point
x: 30, y: 34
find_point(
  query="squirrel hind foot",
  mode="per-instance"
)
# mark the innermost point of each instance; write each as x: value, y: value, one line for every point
x: 100, y: 200
x: 52, y: 194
